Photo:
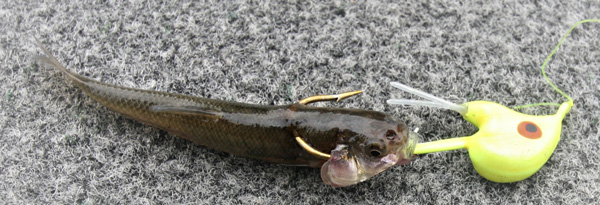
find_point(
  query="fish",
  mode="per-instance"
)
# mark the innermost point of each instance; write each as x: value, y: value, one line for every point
x: 361, y: 143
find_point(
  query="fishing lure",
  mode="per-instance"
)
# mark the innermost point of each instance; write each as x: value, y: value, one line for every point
x: 510, y: 146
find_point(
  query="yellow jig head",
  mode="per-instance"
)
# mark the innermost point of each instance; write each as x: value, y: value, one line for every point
x: 510, y: 146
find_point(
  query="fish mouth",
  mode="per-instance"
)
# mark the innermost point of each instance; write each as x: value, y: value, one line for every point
x: 343, y: 169
x: 408, y: 152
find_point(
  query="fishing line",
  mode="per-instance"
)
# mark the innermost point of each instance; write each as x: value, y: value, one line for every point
x: 548, y: 60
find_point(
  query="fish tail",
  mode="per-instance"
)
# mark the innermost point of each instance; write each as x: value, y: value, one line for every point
x: 52, y: 61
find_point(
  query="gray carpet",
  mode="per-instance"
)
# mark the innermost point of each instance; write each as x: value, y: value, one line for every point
x: 59, y: 146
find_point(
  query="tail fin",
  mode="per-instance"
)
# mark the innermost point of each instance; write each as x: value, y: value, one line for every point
x: 52, y: 61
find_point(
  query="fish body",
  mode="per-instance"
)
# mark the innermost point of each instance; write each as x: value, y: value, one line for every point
x: 258, y: 131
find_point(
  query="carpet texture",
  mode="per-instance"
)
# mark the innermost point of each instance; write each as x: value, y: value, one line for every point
x: 58, y: 146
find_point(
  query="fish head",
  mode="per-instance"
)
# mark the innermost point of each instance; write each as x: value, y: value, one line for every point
x: 367, y: 152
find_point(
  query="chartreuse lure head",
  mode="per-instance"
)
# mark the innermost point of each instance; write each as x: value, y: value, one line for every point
x: 510, y: 146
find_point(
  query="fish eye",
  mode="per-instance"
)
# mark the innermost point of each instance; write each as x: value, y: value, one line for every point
x: 375, y: 149
x: 391, y: 135
x: 375, y: 153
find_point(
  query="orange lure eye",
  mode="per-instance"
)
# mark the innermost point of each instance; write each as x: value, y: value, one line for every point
x: 529, y: 130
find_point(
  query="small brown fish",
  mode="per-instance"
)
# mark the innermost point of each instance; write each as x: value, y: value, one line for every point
x: 361, y: 143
